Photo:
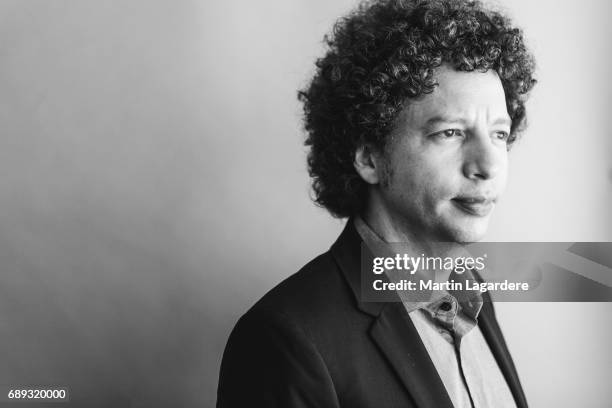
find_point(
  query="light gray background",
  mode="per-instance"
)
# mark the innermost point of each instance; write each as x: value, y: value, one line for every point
x: 153, y: 186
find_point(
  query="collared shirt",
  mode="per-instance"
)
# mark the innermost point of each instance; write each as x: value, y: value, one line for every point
x: 448, y: 326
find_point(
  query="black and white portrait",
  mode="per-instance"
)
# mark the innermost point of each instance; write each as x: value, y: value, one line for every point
x: 201, y: 203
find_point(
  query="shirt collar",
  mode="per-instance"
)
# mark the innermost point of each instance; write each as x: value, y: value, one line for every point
x: 468, y: 302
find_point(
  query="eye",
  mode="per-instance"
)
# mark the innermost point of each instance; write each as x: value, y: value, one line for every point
x: 502, y: 136
x: 449, y: 133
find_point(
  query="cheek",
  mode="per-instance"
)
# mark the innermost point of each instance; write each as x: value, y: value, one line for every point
x: 502, y: 177
x: 437, y: 177
x: 421, y: 182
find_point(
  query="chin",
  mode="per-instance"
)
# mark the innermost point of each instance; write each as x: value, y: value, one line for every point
x: 469, y: 232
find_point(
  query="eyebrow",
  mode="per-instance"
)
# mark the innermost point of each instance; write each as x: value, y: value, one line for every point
x: 449, y: 119
x: 442, y: 119
x: 502, y: 121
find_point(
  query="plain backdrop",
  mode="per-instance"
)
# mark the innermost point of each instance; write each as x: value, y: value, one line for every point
x: 153, y: 187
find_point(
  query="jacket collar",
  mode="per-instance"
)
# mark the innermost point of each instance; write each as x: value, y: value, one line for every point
x: 347, y: 253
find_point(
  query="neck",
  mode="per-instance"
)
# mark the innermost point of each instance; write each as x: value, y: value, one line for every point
x: 395, y: 229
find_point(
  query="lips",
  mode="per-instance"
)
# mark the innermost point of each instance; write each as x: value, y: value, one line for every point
x: 478, y: 206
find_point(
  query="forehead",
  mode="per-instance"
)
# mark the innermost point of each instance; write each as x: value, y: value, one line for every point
x: 461, y: 95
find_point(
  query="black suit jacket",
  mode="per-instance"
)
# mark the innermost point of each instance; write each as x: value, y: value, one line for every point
x: 310, y: 342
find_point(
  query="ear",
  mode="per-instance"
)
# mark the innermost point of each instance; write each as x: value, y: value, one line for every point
x: 368, y: 164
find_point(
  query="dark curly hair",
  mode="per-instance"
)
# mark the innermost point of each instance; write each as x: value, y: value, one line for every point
x: 379, y: 57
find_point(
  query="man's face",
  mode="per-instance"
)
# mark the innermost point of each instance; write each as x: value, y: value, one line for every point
x: 446, y: 164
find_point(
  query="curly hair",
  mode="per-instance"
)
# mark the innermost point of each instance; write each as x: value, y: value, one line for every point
x: 382, y: 55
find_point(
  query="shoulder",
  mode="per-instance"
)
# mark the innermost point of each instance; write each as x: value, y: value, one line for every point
x: 313, y: 299
x: 281, y: 345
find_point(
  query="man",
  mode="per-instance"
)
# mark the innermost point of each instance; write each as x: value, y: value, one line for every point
x: 410, y: 118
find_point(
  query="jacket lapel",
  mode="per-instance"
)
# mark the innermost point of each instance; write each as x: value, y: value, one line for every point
x: 492, y: 334
x: 400, y: 342
x: 392, y: 330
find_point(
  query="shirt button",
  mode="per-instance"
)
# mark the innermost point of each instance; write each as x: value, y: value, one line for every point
x: 446, y: 306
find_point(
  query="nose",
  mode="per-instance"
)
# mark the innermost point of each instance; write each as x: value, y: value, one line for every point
x: 483, y: 159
